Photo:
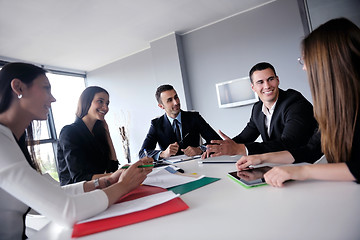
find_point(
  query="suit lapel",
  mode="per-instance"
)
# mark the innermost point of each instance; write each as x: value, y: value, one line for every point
x: 184, y: 124
x: 87, y: 137
x: 263, y: 127
x: 167, y: 129
x: 276, y: 113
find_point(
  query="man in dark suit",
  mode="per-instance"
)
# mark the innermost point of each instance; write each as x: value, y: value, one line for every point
x: 176, y: 132
x: 283, y: 119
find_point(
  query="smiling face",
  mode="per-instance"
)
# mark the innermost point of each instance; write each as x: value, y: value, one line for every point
x: 37, y: 98
x: 99, y: 106
x: 170, y: 102
x: 266, y: 85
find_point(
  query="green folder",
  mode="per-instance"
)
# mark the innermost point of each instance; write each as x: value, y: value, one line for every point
x: 187, y: 187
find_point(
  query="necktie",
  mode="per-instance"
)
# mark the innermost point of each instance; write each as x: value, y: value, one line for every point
x: 177, y: 130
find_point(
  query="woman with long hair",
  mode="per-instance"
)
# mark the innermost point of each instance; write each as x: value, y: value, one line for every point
x: 331, y: 55
x: 85, y: 149
x: 25, y: 95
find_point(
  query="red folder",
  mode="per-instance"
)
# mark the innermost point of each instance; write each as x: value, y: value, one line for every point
x: 172, y: 206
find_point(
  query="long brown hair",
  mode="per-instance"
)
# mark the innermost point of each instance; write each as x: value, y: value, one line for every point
x: 27, y: 73
x: 332, y: 59
x: 83, y: 107
x: 86, y: 98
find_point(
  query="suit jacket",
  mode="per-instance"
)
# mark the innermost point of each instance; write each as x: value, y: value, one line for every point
x: 291, y: 126
x: 161, y: 132
x: 310, y: 152
x: 80, y: 154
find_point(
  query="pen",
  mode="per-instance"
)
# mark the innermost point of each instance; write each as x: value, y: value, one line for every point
x: 184, y: 138
x: 140, y: 166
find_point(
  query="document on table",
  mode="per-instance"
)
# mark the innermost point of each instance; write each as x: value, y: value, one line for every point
x: 180, y: 158
x: 167, y: 177
x: 221, y: 159
x: 134, y: 205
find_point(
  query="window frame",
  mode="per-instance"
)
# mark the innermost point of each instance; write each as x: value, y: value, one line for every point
x: 50, y: 123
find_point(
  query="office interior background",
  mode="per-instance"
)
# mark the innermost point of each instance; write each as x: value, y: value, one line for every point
x: 192, y: 59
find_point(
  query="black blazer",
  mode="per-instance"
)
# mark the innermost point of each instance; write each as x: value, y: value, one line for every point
x: 80, y: 155
x: 292, y: 125
x: 161, y: 132
x: 310, y: 152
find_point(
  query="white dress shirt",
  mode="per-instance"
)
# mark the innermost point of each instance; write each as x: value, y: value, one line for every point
x: 22, y: 187
x: 268, y: 115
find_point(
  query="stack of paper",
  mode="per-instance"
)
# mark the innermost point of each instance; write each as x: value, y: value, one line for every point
x: 134, y: 205
x: 167, y: 177
x: 145, y: 203
x: 180, y: 158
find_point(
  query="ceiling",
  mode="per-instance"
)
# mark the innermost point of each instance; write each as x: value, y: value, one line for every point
x: 84, y: 35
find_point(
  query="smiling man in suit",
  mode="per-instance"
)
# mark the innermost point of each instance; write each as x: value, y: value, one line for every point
x: 283, y: 119
x: 177, y: 131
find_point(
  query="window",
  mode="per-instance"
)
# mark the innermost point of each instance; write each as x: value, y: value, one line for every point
x: 66, y: 89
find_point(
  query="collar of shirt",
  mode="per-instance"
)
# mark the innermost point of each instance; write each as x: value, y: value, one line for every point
x: 268, y: 115
x: 268, y: 112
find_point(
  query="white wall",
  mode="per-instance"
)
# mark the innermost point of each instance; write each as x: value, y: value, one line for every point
x: 216, y: 53
x: 130, y: 83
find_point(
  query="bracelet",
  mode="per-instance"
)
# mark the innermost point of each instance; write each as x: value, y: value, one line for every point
x: 96, y: 183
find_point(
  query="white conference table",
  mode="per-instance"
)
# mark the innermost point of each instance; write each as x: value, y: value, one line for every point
x: 224, y: 209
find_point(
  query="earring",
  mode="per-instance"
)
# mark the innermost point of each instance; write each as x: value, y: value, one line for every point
x: 19, y: 96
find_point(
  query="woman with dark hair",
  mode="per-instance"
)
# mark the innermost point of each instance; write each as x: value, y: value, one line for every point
x: 25, y: 95
x: 85, y: 148
x: 331, y: 55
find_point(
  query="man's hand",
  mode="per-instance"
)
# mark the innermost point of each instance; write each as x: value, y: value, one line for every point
x: 171, y: 150
x: 192, y: 151
x: 225, y: 147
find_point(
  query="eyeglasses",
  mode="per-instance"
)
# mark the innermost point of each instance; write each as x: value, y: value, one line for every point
x: 301, y: 61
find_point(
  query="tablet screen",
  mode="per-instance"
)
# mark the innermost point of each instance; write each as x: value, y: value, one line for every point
x: 251, y: 177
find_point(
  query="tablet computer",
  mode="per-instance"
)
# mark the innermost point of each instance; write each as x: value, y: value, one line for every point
x: 251, y: 177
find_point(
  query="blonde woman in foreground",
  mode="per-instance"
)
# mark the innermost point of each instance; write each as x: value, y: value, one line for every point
x: 331, y: 57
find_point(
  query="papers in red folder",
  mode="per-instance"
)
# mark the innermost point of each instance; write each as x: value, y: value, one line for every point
x: 172, y: 206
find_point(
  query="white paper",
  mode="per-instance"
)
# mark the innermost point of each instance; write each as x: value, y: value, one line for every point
x: 180, y: 158
x: 162, y: 178
x: 221, y: 159
x: 134, y: 205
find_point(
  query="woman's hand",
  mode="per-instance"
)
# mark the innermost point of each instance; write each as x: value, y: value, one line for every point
x: 278, y: 175
x: 147, y: 161
x: 245, y: 161
x: 132, y: 177
x: 114, y: 177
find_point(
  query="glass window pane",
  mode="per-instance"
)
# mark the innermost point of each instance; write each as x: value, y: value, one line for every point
x: 45, y: 156
x: 41, y: 130
x: 66, y: 90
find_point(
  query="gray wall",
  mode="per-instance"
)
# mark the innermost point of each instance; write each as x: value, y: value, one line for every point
x: 219, y: 52
x: 320, y: 11
x: 227, y: 50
